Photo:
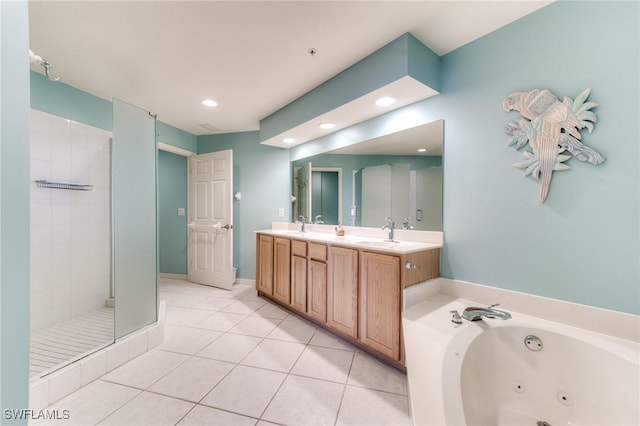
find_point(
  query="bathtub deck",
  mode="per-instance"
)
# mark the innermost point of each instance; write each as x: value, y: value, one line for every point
x: 55, y: 346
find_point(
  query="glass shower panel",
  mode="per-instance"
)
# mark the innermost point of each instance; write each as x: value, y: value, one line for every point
x: 135, y: 268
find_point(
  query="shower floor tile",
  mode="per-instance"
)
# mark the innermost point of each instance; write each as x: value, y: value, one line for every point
x: 55, y: 346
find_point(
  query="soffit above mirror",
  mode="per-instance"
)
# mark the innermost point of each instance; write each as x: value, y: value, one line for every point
x: 404, y: 70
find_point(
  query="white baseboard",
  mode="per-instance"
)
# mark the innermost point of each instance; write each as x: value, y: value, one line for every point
x: 163, y: 275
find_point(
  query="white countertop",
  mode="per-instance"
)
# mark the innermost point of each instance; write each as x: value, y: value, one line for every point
x: 355, y: 238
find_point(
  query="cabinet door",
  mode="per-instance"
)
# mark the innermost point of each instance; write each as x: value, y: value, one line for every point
x: 264, y: 278
x: 342, y: 290
x: 282, y: 270
x: 317, y: 291
x: 299, y: 283
x: 380, y: 303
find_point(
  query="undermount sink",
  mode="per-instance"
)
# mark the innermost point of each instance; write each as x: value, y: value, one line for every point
x: 383, y: 244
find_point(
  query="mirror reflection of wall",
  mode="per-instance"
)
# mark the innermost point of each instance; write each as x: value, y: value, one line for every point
x: 398, y: 175
x: 325, y: 196
x: 317, y: 194
x: 301, y: 191
x: 385, y: 193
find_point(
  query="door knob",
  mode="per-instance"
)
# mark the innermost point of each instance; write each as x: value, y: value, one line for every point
x: 227, y: 226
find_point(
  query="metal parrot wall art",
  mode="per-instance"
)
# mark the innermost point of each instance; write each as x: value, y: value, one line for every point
x: 552, y: 130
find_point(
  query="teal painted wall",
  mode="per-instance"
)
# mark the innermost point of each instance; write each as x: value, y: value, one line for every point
x: 261, y: 174
x: 66, y: 101
x: 176, y: 137
x: 14, y: 209
x: 582, y: 244
x: 172, y: 194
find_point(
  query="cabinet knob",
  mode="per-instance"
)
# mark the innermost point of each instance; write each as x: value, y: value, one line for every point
x: 410, y: 265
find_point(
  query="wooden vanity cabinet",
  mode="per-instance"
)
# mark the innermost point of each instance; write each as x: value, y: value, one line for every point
x: 282, y: 270
x: 380, y: 303
x: 299, y: 275
x: 317, y: 282
x: 264, y: 268
x: 355, y: 292
x: 342, y: 290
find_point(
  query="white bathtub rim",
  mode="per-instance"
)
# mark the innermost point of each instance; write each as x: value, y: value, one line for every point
x: 426, y: 357
x: 600, y: 320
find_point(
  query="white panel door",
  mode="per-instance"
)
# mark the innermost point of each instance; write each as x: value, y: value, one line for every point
x: 210, y: 248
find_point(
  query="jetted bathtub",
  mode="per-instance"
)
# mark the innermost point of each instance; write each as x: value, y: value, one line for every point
x: 520, y: 371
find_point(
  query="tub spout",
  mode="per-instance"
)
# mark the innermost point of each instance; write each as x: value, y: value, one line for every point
x: 475, y: 313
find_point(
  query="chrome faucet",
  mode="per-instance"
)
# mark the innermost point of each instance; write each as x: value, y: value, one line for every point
x: 406, y: 224
x: 301, y: 222
x: 475, y: 313
x: 391, y: 227
x: 318, y: 220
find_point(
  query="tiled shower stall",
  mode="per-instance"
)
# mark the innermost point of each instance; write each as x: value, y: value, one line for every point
x: 71, y: 310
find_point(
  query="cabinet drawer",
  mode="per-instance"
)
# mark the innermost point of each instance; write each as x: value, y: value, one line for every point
x: 298, y: 248
x: 318, y: 251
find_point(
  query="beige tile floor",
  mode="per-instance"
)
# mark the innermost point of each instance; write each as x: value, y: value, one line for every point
x: 233, y: 358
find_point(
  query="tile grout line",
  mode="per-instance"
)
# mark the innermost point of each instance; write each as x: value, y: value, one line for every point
x: 344, y: 389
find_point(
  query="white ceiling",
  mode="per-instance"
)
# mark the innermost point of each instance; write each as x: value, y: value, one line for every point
x: 250, y: 56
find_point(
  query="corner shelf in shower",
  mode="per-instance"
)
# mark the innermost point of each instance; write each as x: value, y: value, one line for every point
x: 64, y: 185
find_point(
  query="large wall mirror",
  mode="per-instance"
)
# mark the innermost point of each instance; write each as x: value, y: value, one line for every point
x: 398, y: 175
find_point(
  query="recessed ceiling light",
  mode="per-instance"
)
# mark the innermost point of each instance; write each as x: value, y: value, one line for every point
x: 422, y: 150
x: 385, y: 101
x: 209, y: 103
x: 326, y: 126
x: 288, y: 140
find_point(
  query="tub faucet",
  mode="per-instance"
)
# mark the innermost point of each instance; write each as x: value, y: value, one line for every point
x: 475, y: 313
x: 301, y: 222
x: 391, y: 227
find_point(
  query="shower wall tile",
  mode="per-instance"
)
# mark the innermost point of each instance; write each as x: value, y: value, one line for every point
x: 70, y: 230
x: 41, y: 214
x: 40, y: 235
x: 62, y: 152
x: 60, y: 171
